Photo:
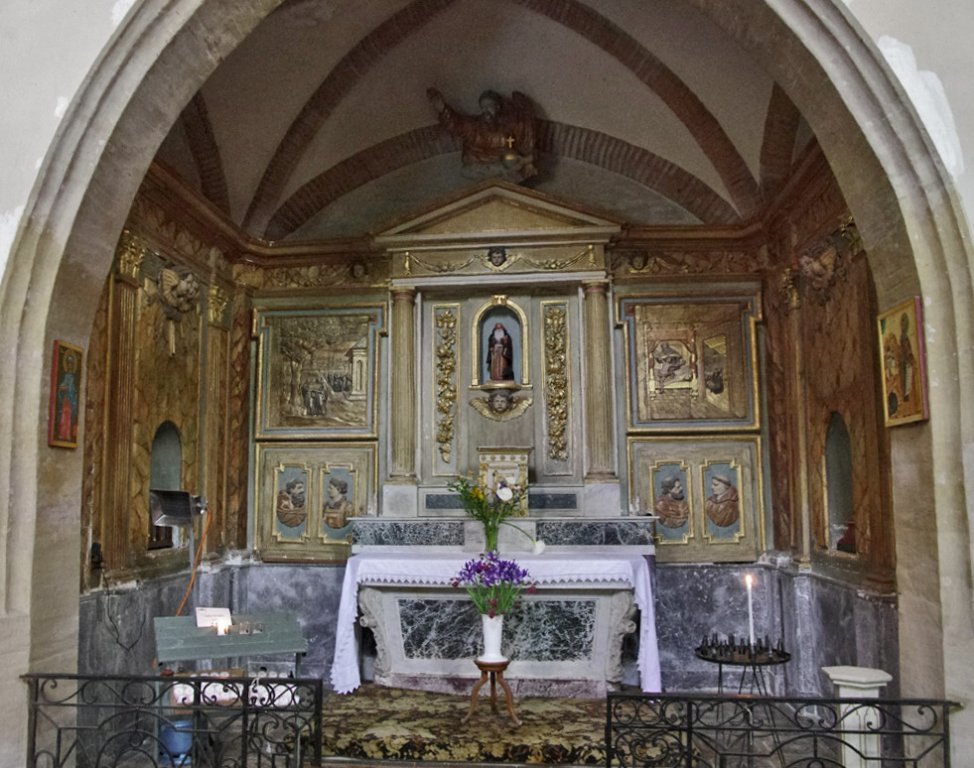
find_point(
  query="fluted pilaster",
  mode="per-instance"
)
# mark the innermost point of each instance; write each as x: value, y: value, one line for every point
x: 116, y: 523
x: 598, y: 376
x: 402, y: 387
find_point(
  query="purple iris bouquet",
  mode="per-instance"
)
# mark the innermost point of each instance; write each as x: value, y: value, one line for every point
x: 493, y: 584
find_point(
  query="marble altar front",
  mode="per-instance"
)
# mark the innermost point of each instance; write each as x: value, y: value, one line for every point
x: 566, y: 638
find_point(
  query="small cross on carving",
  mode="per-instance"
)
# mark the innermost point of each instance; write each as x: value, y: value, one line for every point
x: 509, y: 141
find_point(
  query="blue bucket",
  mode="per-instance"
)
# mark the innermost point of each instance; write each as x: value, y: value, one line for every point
x: 177, y: 740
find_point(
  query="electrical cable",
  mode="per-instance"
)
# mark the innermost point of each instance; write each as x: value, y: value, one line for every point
x: 196, y: 562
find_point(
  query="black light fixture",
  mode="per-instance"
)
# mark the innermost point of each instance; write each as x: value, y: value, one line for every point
x: 174, y: 509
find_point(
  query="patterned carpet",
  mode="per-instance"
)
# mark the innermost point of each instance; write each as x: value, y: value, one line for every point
x: 393, y: 724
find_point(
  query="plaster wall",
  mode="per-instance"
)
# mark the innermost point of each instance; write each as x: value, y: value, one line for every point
x: 36, y: 92
x: 934, y: 65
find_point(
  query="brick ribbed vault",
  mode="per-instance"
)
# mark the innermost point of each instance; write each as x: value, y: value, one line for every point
x: 778, y: 148
x: 663, y: 177
x: 206, y: 153
x: 340, y: 81
x: 566, y: 141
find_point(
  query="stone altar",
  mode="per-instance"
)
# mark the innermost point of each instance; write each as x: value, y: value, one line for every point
x: 566, y: 639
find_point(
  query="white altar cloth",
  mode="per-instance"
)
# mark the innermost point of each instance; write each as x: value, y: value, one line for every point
x: 439, y: 569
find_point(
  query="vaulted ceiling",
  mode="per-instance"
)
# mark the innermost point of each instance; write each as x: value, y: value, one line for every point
x: 318, y: 126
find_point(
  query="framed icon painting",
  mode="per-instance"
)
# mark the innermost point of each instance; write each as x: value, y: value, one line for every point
x: 64, y: 408
x: 904, y: 373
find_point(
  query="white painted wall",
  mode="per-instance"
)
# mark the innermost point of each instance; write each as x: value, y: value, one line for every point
x: 928, y: 46
x: 48, y: 48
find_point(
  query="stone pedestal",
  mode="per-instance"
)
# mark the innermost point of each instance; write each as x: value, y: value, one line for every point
x: 860, y: 748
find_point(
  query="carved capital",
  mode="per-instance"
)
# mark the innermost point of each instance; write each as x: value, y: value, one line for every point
x: 132, y: 249
x: 595, y: 287
x: 217, y: 300
x: 790, y: 295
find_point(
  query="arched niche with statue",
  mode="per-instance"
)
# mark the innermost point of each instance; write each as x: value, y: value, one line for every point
x: 500, y: 334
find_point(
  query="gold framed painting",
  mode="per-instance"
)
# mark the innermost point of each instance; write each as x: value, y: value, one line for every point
x: 318, y: 372
x: 307, y: 495
x: 903, y: 368
x: 691, y: 361
x: 706, y: 493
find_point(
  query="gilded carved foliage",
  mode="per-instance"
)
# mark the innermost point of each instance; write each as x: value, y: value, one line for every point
x: 646, y: 263
x: 172, y: 235
x: 445, y: 319
x: 131, y: 251
x: 496, y: 260
x: 348, y: 274
x: 167, y: 384
x: 556, y: 388
x: 216, y: 304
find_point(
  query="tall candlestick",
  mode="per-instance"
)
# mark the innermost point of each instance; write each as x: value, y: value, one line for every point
x: 749, y: 579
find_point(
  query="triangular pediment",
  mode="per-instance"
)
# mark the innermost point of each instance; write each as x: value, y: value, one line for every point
x: 498, y: 212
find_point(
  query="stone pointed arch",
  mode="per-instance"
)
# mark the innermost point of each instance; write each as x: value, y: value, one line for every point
x: 54, y: 276
x: 902, y: 199
x: 903, y: 203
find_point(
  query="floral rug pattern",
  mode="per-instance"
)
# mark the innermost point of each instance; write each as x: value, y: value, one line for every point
x: 394, y: 724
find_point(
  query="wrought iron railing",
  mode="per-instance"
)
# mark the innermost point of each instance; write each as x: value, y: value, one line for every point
x: 220, y: 722
x: 729, y: 731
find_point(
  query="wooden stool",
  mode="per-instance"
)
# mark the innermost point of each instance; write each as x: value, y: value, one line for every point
x: 495, y: 671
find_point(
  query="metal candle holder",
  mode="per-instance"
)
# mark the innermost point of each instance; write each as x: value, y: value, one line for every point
x: 732, y: 650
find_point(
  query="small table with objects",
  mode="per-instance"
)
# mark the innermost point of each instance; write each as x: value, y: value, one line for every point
x: 494, y: 671
x: 751, y: 659
x: 745, y: 720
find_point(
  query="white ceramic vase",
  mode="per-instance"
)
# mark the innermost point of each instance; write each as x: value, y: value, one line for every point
x: 493, y: 627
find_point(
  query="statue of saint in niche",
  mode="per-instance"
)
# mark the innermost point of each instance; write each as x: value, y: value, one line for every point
x: 500, y: 354
x: 498, y: 142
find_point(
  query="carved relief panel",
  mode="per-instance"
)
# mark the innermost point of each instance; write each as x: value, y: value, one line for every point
x: 691, y: 360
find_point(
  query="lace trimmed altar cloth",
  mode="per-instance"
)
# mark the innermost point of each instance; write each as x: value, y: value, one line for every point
x: 429, y: 569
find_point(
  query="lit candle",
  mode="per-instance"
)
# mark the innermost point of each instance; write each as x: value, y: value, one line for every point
x: 749, y: 579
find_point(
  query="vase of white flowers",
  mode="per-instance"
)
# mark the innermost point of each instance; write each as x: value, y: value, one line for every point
x: 492, y: 509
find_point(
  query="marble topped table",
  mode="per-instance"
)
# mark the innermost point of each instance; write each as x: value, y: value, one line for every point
x: 438, y: 569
